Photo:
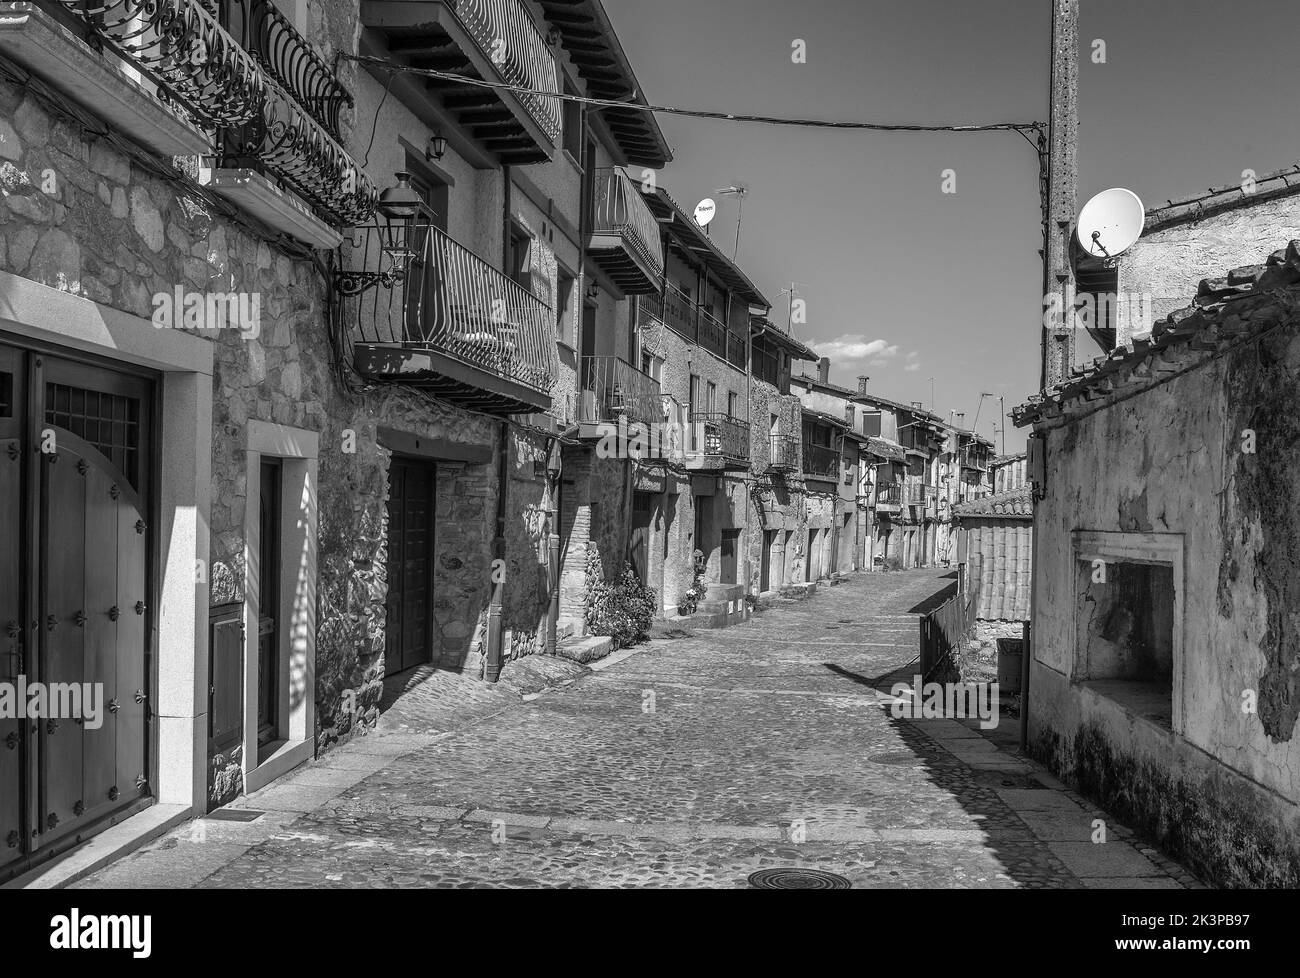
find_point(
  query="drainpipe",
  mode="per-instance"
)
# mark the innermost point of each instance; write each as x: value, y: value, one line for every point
x: 495, y: 632
x: 554, y: 472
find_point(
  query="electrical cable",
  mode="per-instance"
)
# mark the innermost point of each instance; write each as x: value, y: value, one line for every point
x: 1018, y: 127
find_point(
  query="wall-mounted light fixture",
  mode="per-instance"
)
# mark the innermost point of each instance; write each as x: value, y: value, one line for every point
x: 593, y: 291
x: 437, y: 148
x: 397, y: 231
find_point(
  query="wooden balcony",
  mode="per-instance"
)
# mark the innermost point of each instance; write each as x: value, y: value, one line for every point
x: 492, y: 40
x: 614, y: 390
x: 454, y: 326
x: 889, y: 497
x: 625, y: 240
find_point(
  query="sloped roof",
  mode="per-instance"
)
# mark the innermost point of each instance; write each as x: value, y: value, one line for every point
x: 1184, y: 210
x: 886, y: 449
x: 1226, y: 313
x: 763, y: 327
x: 692, y: 238
x: 1016, y: 504
x: 586, y: 33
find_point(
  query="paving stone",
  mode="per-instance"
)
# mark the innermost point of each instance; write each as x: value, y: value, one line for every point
x: 768, y: 744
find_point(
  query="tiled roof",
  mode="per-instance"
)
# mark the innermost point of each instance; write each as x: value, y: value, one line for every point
x: 1270, y: 186
x: 761, y: 326
x: 694, y: 240
x: 1000, y: 460
x: 1226, y: 312
x: 1017, y: 504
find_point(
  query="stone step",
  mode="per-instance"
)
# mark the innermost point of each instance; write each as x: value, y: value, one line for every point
x: 584, y: 650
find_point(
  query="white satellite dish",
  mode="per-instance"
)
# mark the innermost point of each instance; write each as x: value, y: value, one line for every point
x: 705, y: 211
x: 1111, y: 223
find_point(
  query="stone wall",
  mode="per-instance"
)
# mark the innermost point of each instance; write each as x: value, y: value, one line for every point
x: 1220, y: 789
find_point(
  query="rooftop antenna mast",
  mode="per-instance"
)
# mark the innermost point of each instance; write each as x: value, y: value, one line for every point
x: 740, y: 192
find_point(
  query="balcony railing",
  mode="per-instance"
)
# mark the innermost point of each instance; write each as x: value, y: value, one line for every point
x: 286, y: 56
x: 784, y: 455
x: 506, y: 33
x: 453, y: 311
x: 625, y: 235
x: 613, y: 389
x: 767, y: 368
x: 720, y: 435
x: 821, y: 461
x: 711, y: 333
x: 889, y: 494
x: 295, y: 137
x: 179, y: 47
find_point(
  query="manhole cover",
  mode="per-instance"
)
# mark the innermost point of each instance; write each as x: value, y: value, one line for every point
x: 797, y: 879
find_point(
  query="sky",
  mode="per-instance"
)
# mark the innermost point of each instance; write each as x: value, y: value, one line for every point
x: 925, y: 291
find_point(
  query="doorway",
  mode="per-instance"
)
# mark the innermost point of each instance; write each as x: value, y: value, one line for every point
x: 76, y: 470
x: 268, y: 605
x: 765, y: 569
x: 408, y: 636
x: 730, y: 547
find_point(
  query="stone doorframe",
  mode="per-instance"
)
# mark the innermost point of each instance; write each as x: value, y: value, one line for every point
x: 299, y: 452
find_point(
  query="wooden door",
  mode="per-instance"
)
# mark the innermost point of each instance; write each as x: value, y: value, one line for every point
x: 75, y: 467
x: 269, y: 626
x: 765, y: 571
x: 639, y: 545
x: 730, y: 546
x: 408, y: 635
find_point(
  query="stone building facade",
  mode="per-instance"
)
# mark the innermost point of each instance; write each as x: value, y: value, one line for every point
x: 1163, y: 677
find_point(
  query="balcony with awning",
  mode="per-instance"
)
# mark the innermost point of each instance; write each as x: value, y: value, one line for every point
x: 496, y: 41
x: 625, y: 240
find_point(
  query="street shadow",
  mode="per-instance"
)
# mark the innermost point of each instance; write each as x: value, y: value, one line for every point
x: 941, y: 596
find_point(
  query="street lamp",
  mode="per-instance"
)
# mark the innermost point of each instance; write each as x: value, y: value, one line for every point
x: 396, y: 227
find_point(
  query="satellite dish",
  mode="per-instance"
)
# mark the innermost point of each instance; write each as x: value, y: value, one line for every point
x: 705, y: 211
x: 1111, y: 223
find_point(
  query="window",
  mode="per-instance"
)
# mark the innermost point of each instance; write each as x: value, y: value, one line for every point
x: 521, y: 246
x: 696, y: 406
x: 564, y: 306
x: 733, y: 404
x: 711, y: 399
x: 433, y: 191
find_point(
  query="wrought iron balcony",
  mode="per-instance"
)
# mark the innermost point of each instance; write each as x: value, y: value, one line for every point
x: 821, y: 462
x: 889, y: 494
x: 613, y: 389
x: 162, y: 72
x: 453, y: 325
x: 784, y: 454
x: 720, y: 439
x: 625, y: 240
x: 495, y: 40
x: 287, y: 56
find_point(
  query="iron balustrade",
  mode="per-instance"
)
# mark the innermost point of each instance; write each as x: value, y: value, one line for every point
x: 675, y: 309
x: 289, y: 58
x: 784, y: 454
x: 737, y: 350
x: 453, y: 302
x: 507, y: 35
x: 889, y: 494
x: 821, y: 461
x: 181, y: 48
x: 614, y: 389
x: 720, y: 435
x: 620, y: 209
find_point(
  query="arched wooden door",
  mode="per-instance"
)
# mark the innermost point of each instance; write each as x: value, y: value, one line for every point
x: 75, y: 470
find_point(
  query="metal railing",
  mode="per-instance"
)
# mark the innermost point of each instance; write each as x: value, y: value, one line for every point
x: 288, y: 57
x: 784, y: 454
x: 507, y: 35
x: 181, y: 48
x: 737, y: 350
x: 767, y: 368
x: 614, y: 389
x: 453, y: 302
x: 889, y: 493
x: 944, y: 630
x: 621, y: 209
x: 719, y: 434
x: 821, y: 461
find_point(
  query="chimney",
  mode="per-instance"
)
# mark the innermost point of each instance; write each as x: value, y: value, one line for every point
x: 824, y: 370
x: 917, y: 405
x: 961, y: 419
x: 862, y: 384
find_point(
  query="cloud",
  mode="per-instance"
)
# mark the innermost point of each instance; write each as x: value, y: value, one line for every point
x: 912, y: 367
x: 856, y: 348
x: 913, y: 355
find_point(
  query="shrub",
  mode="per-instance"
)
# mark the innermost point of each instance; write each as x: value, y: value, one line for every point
x: 623, y: 609
x: 691, y: 602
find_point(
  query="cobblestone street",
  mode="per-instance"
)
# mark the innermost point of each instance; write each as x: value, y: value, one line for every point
x: 692, y: 762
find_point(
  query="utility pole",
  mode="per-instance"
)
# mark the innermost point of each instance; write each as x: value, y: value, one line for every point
x: 1062, y: 193
x: 1002, y: 400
